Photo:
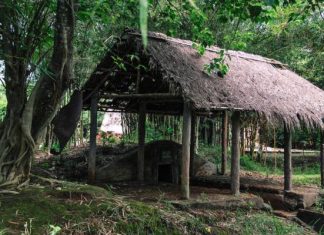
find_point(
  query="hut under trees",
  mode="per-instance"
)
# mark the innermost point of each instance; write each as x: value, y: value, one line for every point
x: 168, y: 77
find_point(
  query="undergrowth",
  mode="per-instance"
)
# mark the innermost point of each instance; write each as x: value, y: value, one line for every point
x: 60, y: 207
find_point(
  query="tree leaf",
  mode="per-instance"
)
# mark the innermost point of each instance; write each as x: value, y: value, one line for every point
x: 143, y: 20
x: 193, y: 4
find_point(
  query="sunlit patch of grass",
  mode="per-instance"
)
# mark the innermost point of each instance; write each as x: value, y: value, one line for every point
x: 306, y: 179
x: 2, y: 232
x: 249, y: 164
x: 301, y: 176
x: 265, y: 223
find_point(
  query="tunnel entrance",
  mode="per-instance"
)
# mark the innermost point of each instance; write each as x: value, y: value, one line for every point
x: 165, y: 173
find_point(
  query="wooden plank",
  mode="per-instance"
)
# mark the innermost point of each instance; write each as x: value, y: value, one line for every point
x: 235, y: 157
x: 93, y: 135
x: 186, y: 134
x: 192, y: 144
x: 145, y: 96
x: 141, y: 142
x: 224, y: 141
x: 287, y: 160
x: 322, y: 158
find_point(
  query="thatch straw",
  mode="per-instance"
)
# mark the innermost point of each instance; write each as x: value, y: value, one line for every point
x: 254, y: 83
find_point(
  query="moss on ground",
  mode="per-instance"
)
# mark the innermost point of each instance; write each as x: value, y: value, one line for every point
x: 71, y: 208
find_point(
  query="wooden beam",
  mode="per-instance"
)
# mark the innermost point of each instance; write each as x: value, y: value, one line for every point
x: 192, y: 144
x: 143, y: 96
x: 141, y: 142
x: 224, y: 141
x: 287, y: 159
x: 93, y: 135
x: 235, y: 157
x: 186, y: 134
x: 322, y: 158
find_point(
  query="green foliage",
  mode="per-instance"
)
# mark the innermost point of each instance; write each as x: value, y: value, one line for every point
x: 217, y: 65
x: 54, y: 230
x: 56, y: 147
x: 108, y: 139
x: 143, y: 20
x: 119, y: 62
x: 210, y: 153
x: 3, y: 103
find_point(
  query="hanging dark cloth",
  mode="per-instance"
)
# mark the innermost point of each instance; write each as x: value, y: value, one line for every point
x: 66, y: 120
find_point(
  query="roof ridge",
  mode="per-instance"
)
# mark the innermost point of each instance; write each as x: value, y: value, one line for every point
x: 163, y: 37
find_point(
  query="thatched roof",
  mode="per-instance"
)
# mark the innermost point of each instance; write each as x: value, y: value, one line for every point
x: 253, y: 83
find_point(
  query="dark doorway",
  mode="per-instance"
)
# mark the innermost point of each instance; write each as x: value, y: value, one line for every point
x: 165, y: 173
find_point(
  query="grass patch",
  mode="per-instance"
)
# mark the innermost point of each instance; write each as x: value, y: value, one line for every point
x: 76, y: 208
x: 301, y: 176
x: 265, y: 223
x: 73, y: 208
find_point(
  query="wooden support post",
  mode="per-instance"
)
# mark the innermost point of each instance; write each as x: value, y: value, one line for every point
x: 235, y: 163
x: 224, y: 141
x: 93, y: 135
x: 186, y: 134
x: 322, y: 158
x: 287, y: 160
x: 192, y: 144
x: 141, y: 142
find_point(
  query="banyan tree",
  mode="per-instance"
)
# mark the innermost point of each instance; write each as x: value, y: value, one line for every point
x: 168, y: 77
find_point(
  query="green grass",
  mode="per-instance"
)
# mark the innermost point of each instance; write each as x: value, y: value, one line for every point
x: 82, y: 209
x: 301, y: 176
x: 265, y: 223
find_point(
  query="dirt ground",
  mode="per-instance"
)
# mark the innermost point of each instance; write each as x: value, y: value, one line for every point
x: 164, y: 191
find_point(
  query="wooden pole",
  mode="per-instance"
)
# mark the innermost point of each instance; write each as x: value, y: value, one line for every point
x: 186, y: 134
x: 224, y: 141
x: 192, y: 144
x: 235, y: 163
x: 93, y: 135
x: 287, y: 160
x: 141, y: 142
x: 322, y: 158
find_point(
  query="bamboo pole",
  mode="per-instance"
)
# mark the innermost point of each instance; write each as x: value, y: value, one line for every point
x: 235, y: 163
x: 322, y: 158
x: 287, y: 160
x: 224, y: 141
x: 192, y: 144
x: 141, y: 142
x: 93, y: 134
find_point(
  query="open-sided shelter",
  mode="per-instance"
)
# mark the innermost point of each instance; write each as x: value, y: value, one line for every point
x: 168, y: 77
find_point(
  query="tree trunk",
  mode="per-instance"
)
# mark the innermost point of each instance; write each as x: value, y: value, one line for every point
x: 26, y: 120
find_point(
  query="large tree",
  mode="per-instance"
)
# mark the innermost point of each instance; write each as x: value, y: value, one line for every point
x: 24, y: 26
